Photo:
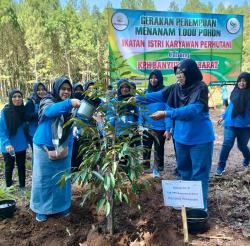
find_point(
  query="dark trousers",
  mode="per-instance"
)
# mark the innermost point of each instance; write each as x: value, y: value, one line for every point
x: 76, y: 159
x: 194, y: 163
x: 10, y: 164
x: 157, y: 138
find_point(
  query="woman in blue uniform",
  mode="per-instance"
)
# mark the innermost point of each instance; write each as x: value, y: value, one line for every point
x: 47, y: 198
x: 31, y: 109
x: 236, y: 122
x: 187, y: 102
x: 13, y: 140
x: 156, y: 130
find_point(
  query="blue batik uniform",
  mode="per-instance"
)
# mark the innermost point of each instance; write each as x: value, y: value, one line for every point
x: 46, y: 195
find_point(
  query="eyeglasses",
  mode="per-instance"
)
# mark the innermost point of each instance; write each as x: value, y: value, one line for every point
x: 153, y: 79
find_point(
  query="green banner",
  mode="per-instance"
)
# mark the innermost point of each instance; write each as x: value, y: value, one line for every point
x: 140, y: 41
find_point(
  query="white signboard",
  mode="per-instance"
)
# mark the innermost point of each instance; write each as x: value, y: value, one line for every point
x: 179, y: 193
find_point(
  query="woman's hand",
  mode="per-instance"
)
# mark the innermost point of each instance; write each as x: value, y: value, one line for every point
x: 167, y: 135
x: 219, y: 122
x: 158, y: 115
x: 131, y: 100
x: 9, y: 148
x: 75, y: 103
x: 99, y: 117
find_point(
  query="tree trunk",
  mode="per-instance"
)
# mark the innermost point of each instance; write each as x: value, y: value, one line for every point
x: 110, y: 218
x: 35, y: 68
x: 68, y: 65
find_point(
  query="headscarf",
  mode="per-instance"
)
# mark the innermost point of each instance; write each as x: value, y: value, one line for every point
x: 59, y: 133
x: 96, y: 101
x: 159, y: 85
x: 240, y: 97
x: 127, y: 108
x: 133, y: 85
x: 34, y: 95
x: 120, y: 83
x: 57, y: 85
x: 78, y: 95
x: 14, y: 115
x: 88, y: 84
x: 194, y: 89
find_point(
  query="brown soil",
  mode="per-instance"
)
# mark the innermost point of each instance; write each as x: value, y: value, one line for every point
x: 154, y: 224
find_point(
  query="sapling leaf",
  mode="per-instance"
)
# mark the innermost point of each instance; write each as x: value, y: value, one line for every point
x: 125, y: 197
x: 107, y: 208
x: 106, y: 182
x: 112, y: 180
x: 100, y: 204
x: 98, y: 175
x: 114, y: 167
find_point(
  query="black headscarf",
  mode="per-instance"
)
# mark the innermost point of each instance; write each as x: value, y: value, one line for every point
x: 14, y: 115
x: 159, y: 85
x: 194, y: 89
x: 240, y: 97
x: 78, y: 95
x: 34, y: 95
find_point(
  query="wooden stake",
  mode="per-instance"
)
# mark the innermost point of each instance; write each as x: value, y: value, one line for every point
x: 184, y: 222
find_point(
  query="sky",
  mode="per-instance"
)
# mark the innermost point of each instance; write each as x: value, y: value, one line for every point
x: 163, y: 4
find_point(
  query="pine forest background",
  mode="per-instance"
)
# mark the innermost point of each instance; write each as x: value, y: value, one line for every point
x: 41, y: 40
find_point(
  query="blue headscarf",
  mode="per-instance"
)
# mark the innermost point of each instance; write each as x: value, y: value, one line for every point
x: 57, y: 85
x: 57, y: 122
x: 34, y: 95
x: 54, y: 97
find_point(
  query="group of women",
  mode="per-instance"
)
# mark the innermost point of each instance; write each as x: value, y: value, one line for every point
x: 180, y: 109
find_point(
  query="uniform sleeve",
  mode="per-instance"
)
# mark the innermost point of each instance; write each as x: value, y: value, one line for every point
x: 168, y: 120
x: 168, y: 123
x: 186, y: 112
x: 58, y: 109
x: 4, y: 134
x: 151, y: 98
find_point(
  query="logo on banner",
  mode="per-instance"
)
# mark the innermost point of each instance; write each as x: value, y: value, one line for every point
x: 233, y: 25
x: 119, y: 21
